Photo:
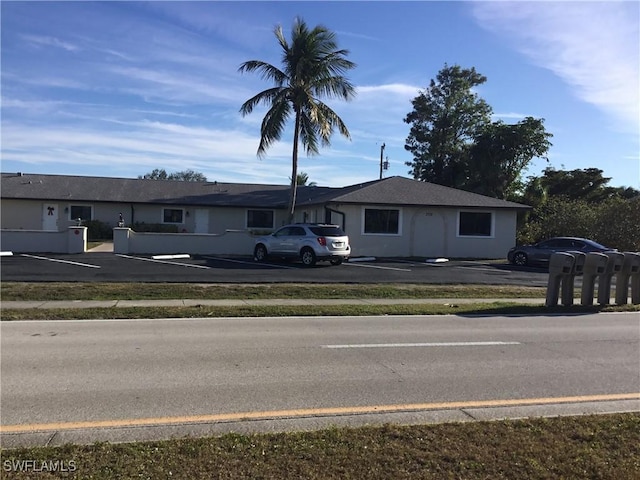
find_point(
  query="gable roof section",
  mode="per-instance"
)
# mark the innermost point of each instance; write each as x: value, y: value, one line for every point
x: 401, y: 191
x: 397, y: 191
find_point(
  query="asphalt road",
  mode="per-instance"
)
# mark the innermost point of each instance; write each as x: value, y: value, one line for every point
x: 109, y: 267
x: 76, y: 380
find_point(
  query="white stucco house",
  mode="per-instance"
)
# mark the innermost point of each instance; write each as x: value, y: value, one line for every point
x: 391, y: 217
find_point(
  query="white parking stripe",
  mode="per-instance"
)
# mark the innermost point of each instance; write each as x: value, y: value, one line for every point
x: 88, y: 265
x: 249, y: 263
x: 440, y: 344
x: 377, y: 266
x: 162, y: 261
x: 480, y: 269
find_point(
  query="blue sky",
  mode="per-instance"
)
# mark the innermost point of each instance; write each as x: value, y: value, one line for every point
x: 120, y: 88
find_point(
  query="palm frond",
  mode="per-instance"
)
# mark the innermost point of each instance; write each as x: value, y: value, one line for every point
x: 266, y: 97
x: 266, y: 71
x: 273, y: 123
x: 309, y: 134
x: 334, y: 87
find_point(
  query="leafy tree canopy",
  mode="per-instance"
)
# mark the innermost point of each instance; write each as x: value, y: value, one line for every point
x: 500, y: 152
x: 454, y: 142
x: 587, y: 184
x: 445, y: 119
x: 185, y: 175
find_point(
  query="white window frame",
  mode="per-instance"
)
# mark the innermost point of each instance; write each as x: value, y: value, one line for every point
x: 83, y: 205
x: 172, y: 223
x: 493, y: 224
x: 273, y: 217
x: 373, y: 207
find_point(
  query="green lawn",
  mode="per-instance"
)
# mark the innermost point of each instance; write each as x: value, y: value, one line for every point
x: 589, y: 447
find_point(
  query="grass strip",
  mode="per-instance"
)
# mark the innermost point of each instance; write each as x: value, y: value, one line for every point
x: 204, y: 311
x: 603, y: 447
x: 154, y: 291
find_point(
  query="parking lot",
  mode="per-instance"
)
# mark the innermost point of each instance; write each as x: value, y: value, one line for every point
x: 109, y: 267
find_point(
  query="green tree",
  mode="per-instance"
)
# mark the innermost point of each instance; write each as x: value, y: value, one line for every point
x: 446, y: 118
x: 303, y: 179
x: 612, y: 222
x: 618, y: 223
x: 185, y: 175
x: 312, y: 67
x: 584, y: 184
x: 500, y: 152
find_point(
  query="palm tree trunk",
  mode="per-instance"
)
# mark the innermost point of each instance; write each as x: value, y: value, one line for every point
x: 294, y: 171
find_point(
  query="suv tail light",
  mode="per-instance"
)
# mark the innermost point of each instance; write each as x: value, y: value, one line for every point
x: 322, y: 241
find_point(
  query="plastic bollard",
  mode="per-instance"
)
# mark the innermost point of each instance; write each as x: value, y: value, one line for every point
x: 604, y: 281
x: 630, y: 266
x: 594, y: 266
x: 568, y: 281
x: 560, y: 265
x: 635, y: 287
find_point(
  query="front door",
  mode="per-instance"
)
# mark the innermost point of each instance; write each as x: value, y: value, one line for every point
x: 202, y: 221
x: 50, y: 216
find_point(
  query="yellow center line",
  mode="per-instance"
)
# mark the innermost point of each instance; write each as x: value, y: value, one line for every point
x: 309, y: 412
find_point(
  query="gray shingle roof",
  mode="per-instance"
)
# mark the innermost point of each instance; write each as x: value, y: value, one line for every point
x: 389, y: 191
x: 128, y: 190
x: 404, y: 191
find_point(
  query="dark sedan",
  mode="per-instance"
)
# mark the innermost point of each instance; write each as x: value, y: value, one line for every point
x: 540, y: 253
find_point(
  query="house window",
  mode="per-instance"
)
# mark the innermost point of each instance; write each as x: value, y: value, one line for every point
x: 172, y: 215
x: 85, y: 212
x: 381, y: 221
x: 260, y: 218
x: 475, y: 224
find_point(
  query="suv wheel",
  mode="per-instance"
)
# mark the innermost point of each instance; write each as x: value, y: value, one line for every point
x: 260, y: 253
x: 336, y: 261
x: 308, y: 257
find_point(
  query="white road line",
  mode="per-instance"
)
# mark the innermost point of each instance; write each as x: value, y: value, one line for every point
x: 162, y: 261
x: 88, y: 265
x: 439, y: 344
x: 249, y: 263
x: 377, y: 266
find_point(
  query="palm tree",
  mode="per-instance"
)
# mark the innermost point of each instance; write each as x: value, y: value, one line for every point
x: 303, y: 179
x: 312, y: 67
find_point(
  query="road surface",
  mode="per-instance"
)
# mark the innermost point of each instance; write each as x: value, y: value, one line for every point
x: 60, y: 377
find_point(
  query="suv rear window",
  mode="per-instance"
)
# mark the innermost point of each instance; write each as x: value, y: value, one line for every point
x: 327, y: 231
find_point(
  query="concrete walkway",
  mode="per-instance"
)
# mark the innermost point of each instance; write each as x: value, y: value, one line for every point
x: 265, y: 302
x: 103, y: 247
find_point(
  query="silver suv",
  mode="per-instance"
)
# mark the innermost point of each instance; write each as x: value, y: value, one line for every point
x: 309, y: 242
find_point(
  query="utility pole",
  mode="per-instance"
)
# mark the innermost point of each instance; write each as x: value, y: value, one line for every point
x: 381, y: 157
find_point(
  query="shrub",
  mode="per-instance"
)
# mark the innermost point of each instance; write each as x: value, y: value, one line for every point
x: 97, y: 230
x: 154, y: 227
x: 614, y: 222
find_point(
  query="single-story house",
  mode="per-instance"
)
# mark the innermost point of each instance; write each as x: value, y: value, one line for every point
x: 390, y: 217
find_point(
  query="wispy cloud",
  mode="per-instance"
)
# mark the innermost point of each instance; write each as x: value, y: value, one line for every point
x: 510, y: 115
x: 593, y: 46
x: 399, y: 89
x: 44, y: 41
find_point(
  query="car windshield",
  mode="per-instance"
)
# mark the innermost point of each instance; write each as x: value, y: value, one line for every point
x: 330, y: 231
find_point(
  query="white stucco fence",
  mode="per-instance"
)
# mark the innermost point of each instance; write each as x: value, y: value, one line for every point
x: 73, y: 240
x: 231, y: 242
